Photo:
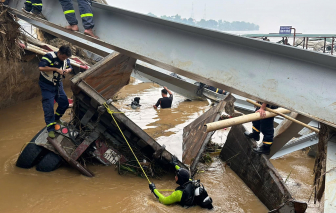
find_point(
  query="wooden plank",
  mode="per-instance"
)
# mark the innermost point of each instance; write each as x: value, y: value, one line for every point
x: 195, y: 137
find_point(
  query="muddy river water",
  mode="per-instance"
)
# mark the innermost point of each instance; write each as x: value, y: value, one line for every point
x: 65, y: 190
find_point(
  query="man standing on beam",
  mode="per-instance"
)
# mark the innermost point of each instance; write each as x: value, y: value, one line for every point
x: 34, y: 7
x: 266, y: 127
x: 85, y: 12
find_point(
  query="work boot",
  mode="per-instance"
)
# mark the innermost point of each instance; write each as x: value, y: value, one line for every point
x: 252, y: 135
x: 59, y: 122
x: 89, y: 32
x: 27, y: 8
x: 38, y: 14
x: 51, y: 134
x: 264, y: 149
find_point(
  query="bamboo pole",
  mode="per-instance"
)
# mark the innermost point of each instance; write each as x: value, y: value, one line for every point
x: 241, y: 119
x: 286, y: 116
x: 38, y: 50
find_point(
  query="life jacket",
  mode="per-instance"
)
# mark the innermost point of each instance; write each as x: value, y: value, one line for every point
x: 194, y: 193
x: 55, y: 78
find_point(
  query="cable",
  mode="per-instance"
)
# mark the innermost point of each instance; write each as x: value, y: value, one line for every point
x: 111, y: 113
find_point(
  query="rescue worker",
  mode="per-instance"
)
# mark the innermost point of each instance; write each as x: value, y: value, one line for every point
x: 266, y: 127
x: 265, y: 39
x: 34, y: 7
x: 216, y: 90
x: 85, y: 11
x: 285, y: 41
x: 4, y: 2
x: 54, y: 66
x: 189, y: 193
x: 135, y: 103
x: 165, y: 101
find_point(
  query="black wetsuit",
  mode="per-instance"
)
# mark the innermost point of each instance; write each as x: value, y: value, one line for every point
x: 165, y: 102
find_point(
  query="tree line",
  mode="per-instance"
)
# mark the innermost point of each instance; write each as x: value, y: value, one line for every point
x: 213, y: 24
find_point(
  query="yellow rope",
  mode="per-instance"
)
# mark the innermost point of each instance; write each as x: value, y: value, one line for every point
x: 166, y: 190
x: 111, y: 113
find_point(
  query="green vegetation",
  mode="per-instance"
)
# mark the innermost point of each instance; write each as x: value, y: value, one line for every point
x: 213, y: 24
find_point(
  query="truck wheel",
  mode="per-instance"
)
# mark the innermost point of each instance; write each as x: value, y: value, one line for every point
x: 49, y: 162
x: 30, y: 156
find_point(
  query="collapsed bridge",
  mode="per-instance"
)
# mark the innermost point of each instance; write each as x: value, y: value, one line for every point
x: 295, y: 79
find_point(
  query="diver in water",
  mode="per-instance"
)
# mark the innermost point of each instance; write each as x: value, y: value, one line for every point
x: 188, y: 193
x: 135, y: 103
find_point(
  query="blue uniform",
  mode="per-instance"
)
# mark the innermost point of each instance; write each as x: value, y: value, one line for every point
x: 85, y: 11
x: 265, y: 126
x: 52, y: 89
x: 33, y: 5
x: 216, y: 90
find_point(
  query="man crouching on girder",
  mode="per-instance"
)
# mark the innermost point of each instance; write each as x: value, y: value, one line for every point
x: 189, y: 193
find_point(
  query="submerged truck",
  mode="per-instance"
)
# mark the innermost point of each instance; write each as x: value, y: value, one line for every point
x: 99, y: 133
x: 92, y: 135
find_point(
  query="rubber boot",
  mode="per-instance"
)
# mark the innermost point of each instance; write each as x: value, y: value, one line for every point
x: 253, y: 135
x: 51, y: 134
x: 264, y: 149
x: 27, y: 8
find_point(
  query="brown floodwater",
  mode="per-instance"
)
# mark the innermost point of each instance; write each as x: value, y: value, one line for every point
x: 65, y: 190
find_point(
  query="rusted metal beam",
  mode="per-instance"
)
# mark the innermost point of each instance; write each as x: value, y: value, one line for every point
x: 109, y: 75
x: 56, y: 142
x: 195, y: 137
x: 324, y: 46
x: 294, y: 36
x: 332, y: 46
x: 254, y: 169
x: 84, y: 145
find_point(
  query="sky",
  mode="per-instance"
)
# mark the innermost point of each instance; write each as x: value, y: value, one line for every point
x: 306, y: 16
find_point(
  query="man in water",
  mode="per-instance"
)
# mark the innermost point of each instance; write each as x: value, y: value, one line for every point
x: 53, y: 67
x: 165, y: 101
x: 188, y: 193
x: 86, y: 14
x: 265, y: 126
